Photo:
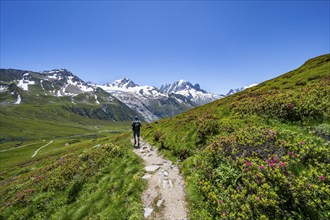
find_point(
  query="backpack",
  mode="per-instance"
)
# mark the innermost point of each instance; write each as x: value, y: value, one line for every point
x: 136, y: 125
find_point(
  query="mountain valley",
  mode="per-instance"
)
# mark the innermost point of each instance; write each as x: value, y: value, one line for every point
x: 260, y: 153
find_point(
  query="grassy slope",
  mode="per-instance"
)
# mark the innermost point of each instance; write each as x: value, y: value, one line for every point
x: 81, y: 182
x: 88, y: 171
x: 258, y: 154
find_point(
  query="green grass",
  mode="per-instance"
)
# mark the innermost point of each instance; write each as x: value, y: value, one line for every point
x: 88, y: 171
x: 80, y: 182
x: 259, y: 154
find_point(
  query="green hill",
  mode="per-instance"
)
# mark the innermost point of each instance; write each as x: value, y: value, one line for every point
x: 259, y: 154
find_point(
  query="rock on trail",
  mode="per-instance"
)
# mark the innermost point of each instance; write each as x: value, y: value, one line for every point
x: 165, y: 196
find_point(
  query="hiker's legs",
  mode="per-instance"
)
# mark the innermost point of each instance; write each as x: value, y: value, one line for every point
x: 138, y: 137
x: 134, y: 135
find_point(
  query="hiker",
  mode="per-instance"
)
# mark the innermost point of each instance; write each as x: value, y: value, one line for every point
x: 136, y: 125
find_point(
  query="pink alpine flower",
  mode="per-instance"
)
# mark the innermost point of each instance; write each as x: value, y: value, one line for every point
x: 272, y: 164
x: 248, y: 164
x: 261, y: 167
x: 323, y: 178
x: 281, y: 164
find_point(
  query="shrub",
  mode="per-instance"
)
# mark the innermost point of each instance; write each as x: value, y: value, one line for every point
x: 207, y: 126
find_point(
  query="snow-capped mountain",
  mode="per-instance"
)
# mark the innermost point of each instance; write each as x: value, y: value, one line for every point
x: 60, y: 87
x: 151, y: 103
x: 233, y: 91
x: 192, y: 92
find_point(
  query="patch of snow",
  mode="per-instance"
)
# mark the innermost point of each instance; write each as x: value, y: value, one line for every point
x: 23, y: 84
x: 3, y: 88
x: 86, y: 88
x: 72, y: 100
x: 97, y: 101
x: 252, y: 85
x: 42, y: 85
x: 53, y: 76
x: 19, y: 99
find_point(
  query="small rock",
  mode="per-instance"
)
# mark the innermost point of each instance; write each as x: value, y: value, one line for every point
x: 171, y: 184
x: 147, y: 211
x: 164, y: 184
x: 146, y: 176
x: 160, y: 202
x: 97, y: 146
x: 165, y: 161
x: 165, y: 173
x: 151, y: 168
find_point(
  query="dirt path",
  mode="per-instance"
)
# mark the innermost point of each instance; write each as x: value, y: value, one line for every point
x: 165, y: 196
x: 35, y: 153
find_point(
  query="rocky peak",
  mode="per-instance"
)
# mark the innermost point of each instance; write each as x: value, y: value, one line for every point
x: 123, y: 83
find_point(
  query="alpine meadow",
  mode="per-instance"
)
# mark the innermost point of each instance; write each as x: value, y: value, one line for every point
x: 262, y: 153
x: 259, y: 154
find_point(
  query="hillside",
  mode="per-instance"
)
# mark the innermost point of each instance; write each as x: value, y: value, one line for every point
x: 259, y: 154
x: 78, y: 180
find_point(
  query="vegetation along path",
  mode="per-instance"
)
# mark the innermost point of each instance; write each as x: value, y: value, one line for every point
x: 165, y: 196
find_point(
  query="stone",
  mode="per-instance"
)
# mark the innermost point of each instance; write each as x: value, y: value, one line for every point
x: 164, y: 184
x: 165, y: 173
x: 151, y: 168
x: 147, y: 211
x: 171, y: 184
x: 160, y: 202
x: 146, y: 176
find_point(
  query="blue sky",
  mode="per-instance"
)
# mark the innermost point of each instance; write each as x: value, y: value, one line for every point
x: 218, y: 44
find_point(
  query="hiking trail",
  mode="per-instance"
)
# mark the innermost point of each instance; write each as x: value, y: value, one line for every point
x: 165, y: 196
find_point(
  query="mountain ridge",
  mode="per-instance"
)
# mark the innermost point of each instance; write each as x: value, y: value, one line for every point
x: 150, y: 102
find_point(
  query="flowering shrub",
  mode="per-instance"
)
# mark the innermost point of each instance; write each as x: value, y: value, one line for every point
x: 306, y: 104
x: 206, y: 126
x: 254, y: 173
x: 259, y: 154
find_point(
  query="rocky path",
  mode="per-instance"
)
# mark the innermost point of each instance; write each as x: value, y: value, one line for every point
x: 165, y: 196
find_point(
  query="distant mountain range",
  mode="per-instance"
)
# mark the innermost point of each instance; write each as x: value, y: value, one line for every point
x: 153, y: 103
x: 233, y: 91
x: 123, y: 95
